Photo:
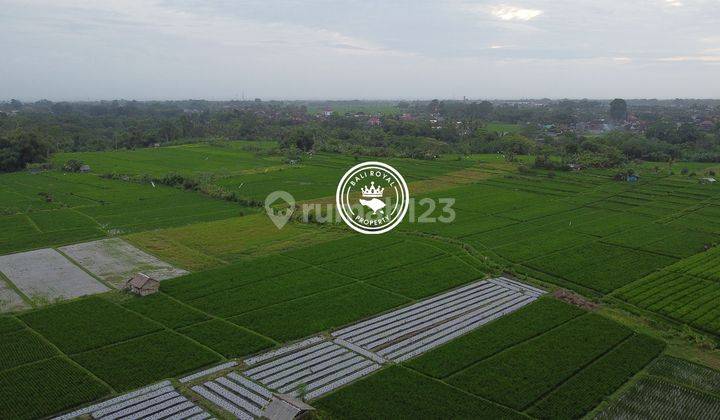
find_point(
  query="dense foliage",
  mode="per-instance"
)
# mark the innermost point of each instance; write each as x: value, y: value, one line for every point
x: 423, y: 130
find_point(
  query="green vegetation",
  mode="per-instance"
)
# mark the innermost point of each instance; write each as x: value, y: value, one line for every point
x: 164, y: 310
x: 510, y: 330
x: 648, y: 244
x: 45, y: 388
x: 140, y: 361
x: 516, y: 379
x: 653, y: 397
x: 321, y: 311
x: 688, y: 299
x: 269, y: 291
x: 226, y: 338
x: 9, y: 324
x: 87, y: 324
x: 21, y: 347
x: 585, y: 390
x: 405, y: 395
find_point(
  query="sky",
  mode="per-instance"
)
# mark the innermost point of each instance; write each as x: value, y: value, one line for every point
x: 353, y: 49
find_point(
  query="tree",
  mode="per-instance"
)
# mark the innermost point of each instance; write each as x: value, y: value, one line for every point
x: 618, y: 110
x: 688, y: 133
x: 303, y: 139
x: 20, y: 149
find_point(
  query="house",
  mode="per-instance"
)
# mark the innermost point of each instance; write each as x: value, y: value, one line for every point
x: 285, y: 407
x: 374, y: 121
x: 708, y: 180
x: 142, y: 285
x: 85, y: 168
x: 632, y: 178
x: 575, y: 167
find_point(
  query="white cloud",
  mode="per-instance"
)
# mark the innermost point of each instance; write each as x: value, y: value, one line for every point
x: 683, y: 58
x: 504, y: 12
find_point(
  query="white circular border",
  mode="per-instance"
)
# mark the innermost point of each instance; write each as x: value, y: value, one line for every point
x: 341, y: 207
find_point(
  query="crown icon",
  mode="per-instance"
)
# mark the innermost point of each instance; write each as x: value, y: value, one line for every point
x: 372, y: 191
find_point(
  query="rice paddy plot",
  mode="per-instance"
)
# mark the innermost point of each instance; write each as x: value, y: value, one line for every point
x: 516, y: 379
x: 270, y: 291
x: 87, y: 324
x: 408, y: 332
x: 22, y: 347
x: 197, y: 285
x: 186, y: 159
x: 426, y: 278
x: 321, y: 311
x: 705, y: 265
x: 405, y: 394
x: 656, y: 398
x: 371, y: 262
x: 687, y: 299
x: 591, y: 385
x: 146, y: 359
x: 45, y: 276
x: 687, y: 373
x: 532, y: 320
x: 600, y: 267
x: 211, y: 244
x: 164, y: 310
x: 116, y: 261
x: 226, y: 338
x: 41, y: 389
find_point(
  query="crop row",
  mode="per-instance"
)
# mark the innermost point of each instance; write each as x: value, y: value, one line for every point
x: 399, y: 393
x: 688, y: 299
x: 655, y: 398
x: 45, y: 388
x: 685, y: 372
x: 503, y: 333
x: 586, y: 389
x: 516, y: 378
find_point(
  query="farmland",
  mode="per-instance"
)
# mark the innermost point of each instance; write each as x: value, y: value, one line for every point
x: 241, y: 286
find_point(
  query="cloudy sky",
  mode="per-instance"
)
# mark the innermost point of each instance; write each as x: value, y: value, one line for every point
x: 365, y: 49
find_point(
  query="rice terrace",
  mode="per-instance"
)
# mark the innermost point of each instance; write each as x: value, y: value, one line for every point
x: 548, y: 297
x: 320, y: 210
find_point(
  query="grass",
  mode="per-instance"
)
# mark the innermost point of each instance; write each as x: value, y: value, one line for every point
x: 522, y: 374
x: 510, y: 330
x: 226, y: 338
x: 48, y: 387
x: 147, y: 359
x: 407, y: 395
x: 86, y: 324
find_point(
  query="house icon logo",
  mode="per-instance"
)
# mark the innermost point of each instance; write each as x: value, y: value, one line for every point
x: 372, y: 198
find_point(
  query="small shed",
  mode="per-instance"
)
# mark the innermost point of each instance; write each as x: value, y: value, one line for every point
x: 143, y: 285
x: 85, y: 168
x: 633, y: 178
x: 708, y: 180
x: 285, y: 407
